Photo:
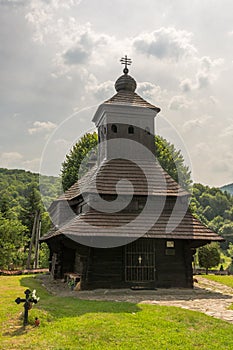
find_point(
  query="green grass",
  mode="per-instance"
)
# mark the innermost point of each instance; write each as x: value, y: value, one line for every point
x: 70, y: 323
x: 226, y: 280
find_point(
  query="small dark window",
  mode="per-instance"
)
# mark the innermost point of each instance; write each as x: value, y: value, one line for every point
x: 114, y: 128
x: 130, y: 129
x: 170, y: 251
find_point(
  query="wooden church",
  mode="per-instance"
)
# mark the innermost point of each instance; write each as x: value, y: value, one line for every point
x: 126, y: 222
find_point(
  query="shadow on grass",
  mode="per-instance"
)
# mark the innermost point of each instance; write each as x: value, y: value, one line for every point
x: 19, y: 330
x: 72, y: 306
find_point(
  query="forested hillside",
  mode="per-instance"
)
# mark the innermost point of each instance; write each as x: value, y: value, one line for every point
x: 215, y: 209
x: 20, y: 199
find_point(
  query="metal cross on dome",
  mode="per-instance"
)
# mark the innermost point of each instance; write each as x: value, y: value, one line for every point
x: 127, y: 62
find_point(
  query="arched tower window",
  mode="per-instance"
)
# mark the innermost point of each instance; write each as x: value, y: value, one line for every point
x: 114, y: 128
x: 130, y: 129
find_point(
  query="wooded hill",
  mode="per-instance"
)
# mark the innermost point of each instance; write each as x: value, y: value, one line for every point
x: 20, y: 199
x: 215, y: 209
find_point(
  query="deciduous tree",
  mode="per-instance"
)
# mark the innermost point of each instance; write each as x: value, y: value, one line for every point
x: 209, y: 256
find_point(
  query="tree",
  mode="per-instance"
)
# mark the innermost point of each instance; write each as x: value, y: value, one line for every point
x: 13, y: 239
x: 170, y: 159
x: 209, y: 256
x: 70, y: 167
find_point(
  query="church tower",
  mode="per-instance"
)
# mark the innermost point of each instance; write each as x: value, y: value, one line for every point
x: 127, y: 121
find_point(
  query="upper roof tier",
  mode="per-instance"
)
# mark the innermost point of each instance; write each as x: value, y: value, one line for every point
x: 103, y: 180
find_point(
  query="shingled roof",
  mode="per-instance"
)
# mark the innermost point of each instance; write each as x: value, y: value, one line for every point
x: 130, y: 98
x: 98, y: 224
x: 147, y: 179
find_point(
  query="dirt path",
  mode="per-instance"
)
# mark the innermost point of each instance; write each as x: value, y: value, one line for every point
x: 209, y: 297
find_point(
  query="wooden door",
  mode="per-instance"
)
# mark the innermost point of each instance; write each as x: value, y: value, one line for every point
x: 140, y: 261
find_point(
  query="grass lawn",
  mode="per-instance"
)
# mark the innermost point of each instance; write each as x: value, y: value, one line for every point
x: 70, y: 323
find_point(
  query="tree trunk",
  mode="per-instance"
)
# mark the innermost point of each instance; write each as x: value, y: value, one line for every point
x: 28, y: 266
x: 38, y: 228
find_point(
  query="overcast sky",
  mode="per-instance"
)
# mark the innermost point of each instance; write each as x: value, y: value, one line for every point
x: 58, y: 58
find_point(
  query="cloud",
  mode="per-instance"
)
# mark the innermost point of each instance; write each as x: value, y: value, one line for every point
x: 86, y: 44
x: 46, y: 17
x: 228, y: 131
x: 80, y: 51
x: 41, y: 127
x: 17, y: 160
x: 179, y: 102
x: 76, y: 55
x: 193, y: 124
x: 101, y: 91
x: 13, y: 3
x: 186, y: 85
x: 10, y: 159
x: 165, y: 43
x: 207, y: 72
x: 32, y: 165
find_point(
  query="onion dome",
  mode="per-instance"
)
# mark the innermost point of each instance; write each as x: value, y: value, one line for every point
x: 125, y: 82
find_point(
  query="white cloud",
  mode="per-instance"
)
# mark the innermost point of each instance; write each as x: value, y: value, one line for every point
x: 165, y: 43
x: 101, y: 91
x: 186, y: 85
x: 46, y: 17
x: 32, y: 165
x: 17, y: 160
x: 10, y: 159
x: 208, y: 71
x: 179, y: 102
x: 150, y: 91
x: 194, y: 124
x: 87, y: 42
x: 228, y: 131
x: 41, y: 127
x: 13, y: 3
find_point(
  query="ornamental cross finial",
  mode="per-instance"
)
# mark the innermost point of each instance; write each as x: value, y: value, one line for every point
x: 127, y: 62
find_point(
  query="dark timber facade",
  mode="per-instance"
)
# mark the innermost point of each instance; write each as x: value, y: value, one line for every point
x: 127, y: 246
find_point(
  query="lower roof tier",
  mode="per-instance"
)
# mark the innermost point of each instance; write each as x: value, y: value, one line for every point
x: 92, y: 224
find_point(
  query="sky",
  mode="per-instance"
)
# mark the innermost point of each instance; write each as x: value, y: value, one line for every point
x: 60, y: 59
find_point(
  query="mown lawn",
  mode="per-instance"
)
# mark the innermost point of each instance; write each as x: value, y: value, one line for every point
x: 70, y: 323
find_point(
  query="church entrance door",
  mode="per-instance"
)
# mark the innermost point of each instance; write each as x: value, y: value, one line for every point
x: 140, y: 261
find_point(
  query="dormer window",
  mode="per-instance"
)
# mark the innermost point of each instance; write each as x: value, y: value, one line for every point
x: 130, y: 129
x: 114, y: 128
